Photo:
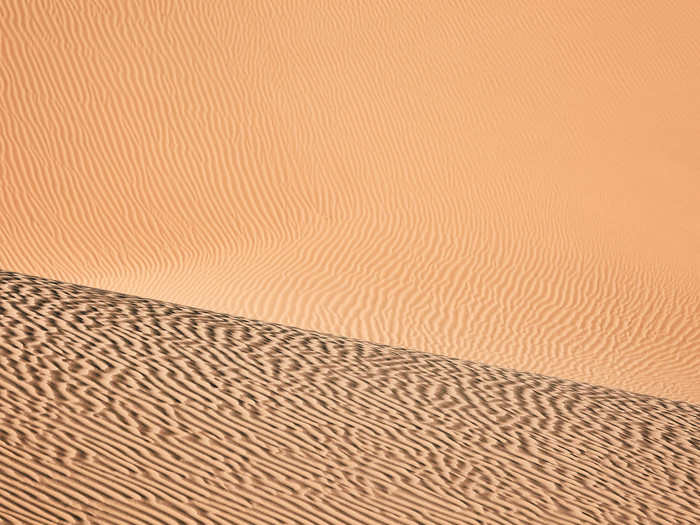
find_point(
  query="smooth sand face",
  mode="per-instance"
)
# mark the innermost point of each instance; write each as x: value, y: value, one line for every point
x: 504, y: 182
x: 119, y: 410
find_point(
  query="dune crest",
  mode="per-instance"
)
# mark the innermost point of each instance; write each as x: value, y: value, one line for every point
x: 507, y: 182
x: 116, y: 409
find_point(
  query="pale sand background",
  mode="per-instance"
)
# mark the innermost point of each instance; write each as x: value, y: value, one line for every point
x: 516, y: 183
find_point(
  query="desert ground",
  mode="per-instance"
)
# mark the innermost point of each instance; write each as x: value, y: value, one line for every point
x: 514, y: 183
x: 493, y: 206
x: 121, y: 410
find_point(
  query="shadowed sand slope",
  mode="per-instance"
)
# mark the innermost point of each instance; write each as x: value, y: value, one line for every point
x: 117, y: 409
x: 508, y: 182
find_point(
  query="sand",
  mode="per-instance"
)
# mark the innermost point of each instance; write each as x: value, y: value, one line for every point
x: 509, y: 183
x: 510, y: 189
x: 120, y: 410
x: 506, y: 182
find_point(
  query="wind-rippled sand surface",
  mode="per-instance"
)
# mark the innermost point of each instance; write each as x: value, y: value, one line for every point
x: 117, y: 409
x: 514, y: 183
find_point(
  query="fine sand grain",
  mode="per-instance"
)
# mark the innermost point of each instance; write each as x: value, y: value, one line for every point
x: 121, y: 410
x: 515, y: 183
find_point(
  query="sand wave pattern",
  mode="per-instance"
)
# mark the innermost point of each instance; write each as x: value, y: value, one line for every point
x: 122, y: 410
x: 489, y: 180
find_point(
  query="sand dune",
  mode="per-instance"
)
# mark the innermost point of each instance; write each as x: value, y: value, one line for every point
x: 117, y: 409
x: 508, y: 182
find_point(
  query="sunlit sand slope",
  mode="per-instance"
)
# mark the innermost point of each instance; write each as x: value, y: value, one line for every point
x: 513, y: 183
x: 117, y: 409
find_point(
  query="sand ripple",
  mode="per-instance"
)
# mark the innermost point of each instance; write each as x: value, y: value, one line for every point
x: 116, y: 409
x: 510, y: 183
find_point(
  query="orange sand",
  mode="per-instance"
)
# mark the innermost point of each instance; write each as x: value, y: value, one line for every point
x: 117, y: 410
x: 516, y: 183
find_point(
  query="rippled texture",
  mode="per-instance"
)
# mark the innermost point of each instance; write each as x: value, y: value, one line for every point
x: 514, y: 183
x: 117, y: 409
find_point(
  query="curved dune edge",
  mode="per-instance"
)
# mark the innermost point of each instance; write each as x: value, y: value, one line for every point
x: 500, y: 182
x: 118, y: 409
